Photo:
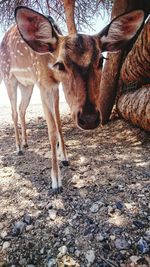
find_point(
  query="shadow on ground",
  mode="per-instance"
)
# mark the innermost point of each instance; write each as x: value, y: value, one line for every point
x: 105, y: 197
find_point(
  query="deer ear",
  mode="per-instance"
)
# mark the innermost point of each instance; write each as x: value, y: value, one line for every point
x: 36, y: 30
x: 117, y: 34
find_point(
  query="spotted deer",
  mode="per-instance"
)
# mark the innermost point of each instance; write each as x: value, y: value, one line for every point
x: 33, y: 52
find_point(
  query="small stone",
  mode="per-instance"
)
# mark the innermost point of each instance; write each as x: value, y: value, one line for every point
x: 121, y: 244
x: 29, y: 228
x: 90, y: 257
x: 67, y: 231
x: 18, y: 228
x: 138, y: 224
x: 51, y: 262
x: 112, y: 237
x: 43, y: 250
x: 100, y: 203
x: 6, y: 245
x: 31, y: 265
x: 77, y: 253
x: 100, y: 237
x: 62, y: 251
x: 143, y: 246
x: 68, y: 261
x: 110, y: 209
x: 52, y: 214
x: 119, y: 205
x: 3, y: 234
x: 147, y: 233
x: 27, y: 219
x: 134, y: 259
x: 23, y: 262
x: 94, y: 208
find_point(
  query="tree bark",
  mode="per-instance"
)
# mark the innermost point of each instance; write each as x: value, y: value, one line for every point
x: 135, y: 107
x: 69, y: 6
x: 110, y: 75
x: 136, y: 67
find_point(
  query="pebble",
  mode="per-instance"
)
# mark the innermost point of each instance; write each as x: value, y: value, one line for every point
x: 77, y: 253
x: 18, y: 228
x: 5, y: 245
x: 147, y: 234
x: 143, y: 246
x: 94, y: 208
x: 110, y: 210
x: 112, y: 237
x: 121, y: 243
x: 52, y: 214
x: 3, y: 234
x: 90, y: 257
x: 67, y: 231
x: 27, y: 219
x: 62, y: 251
x: 100, y: 237
x: 119, y: 205
x: 29, y: 228
x: 134, y: 259
x: 68, y: 261
x: 138, y: 224
x: 51, y: 262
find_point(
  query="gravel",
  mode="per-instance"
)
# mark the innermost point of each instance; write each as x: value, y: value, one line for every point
x: 102, y: 217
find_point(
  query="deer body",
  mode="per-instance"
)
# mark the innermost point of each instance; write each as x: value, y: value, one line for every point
x: 75, y: 60
x: 23, y: 67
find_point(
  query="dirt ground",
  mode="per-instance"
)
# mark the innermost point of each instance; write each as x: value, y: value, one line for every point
x: 102, y: 217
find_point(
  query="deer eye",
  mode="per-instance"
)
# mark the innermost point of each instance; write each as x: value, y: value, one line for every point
x: 59, y: 66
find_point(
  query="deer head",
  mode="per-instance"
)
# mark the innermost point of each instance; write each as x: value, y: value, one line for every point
x: 78, y: 58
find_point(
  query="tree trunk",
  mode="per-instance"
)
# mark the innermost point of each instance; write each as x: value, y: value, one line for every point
x: 110, y: 75
x: 136, y: 67
x: 69, y: 6
x: 135, y: 107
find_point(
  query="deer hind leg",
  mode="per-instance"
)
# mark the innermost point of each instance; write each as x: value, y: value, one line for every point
x: 52, y: 133
x: 62, y: 148
x: 11, y: 86
x: 26, y: 92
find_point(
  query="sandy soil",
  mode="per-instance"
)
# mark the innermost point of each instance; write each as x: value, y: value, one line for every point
x: 102, y: 217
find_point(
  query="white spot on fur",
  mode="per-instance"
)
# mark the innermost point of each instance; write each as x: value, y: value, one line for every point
x: 50, y: 65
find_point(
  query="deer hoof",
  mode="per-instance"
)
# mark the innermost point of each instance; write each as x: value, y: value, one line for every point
x: 57, y: 191
x: 19, y: 153
x: 65, y: 163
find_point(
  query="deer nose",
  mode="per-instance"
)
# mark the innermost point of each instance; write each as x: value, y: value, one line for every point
x: 88, y: 121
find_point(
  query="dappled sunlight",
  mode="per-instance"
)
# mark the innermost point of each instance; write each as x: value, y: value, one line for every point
x: 58, y: 203
x: 106, y: 167
x: 59, y: 221
x: 118, y: 220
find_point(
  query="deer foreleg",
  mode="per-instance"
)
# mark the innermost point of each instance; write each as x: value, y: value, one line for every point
x: 52, y: 133
x: 62, y: 148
